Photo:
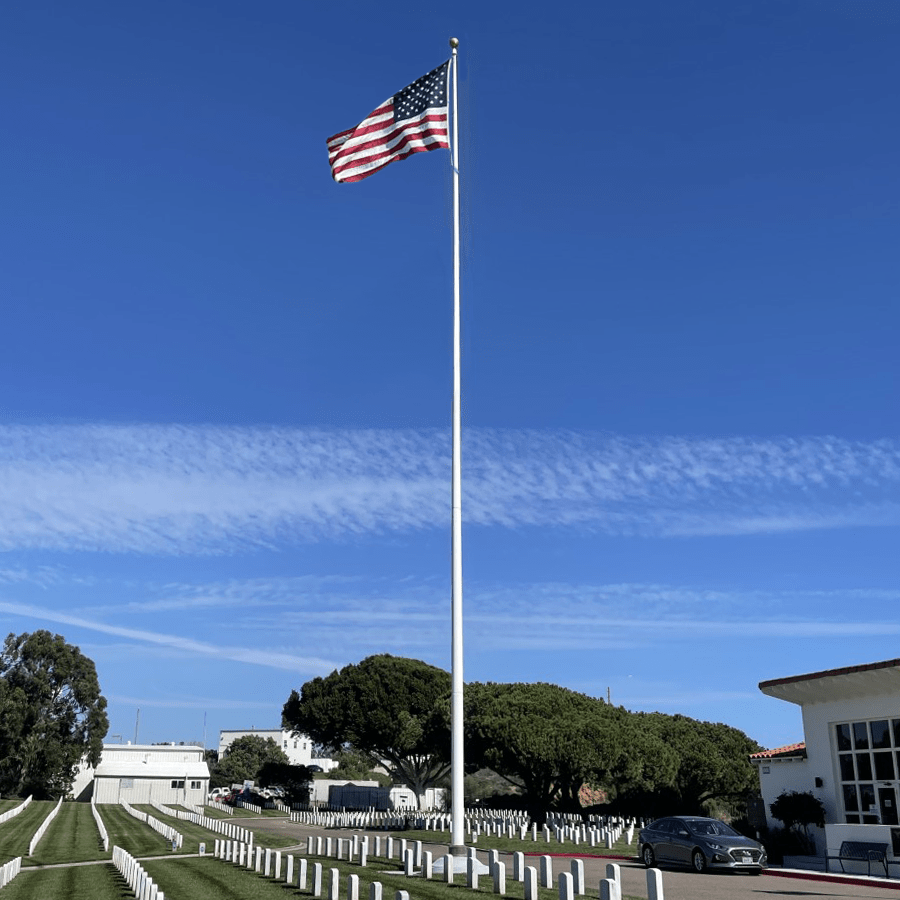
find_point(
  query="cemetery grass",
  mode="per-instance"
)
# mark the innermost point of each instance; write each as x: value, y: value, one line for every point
x: 215, y: 813
x: 100, y: 882
x: 194, y: 835
x: 72, y: 836
x: 17, y: 832
x: 138, y: 838
x: 539, y: 847
x: 207, y: 878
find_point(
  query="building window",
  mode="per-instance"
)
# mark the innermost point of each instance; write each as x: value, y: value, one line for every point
x: 868, y: 753
x: 195, y: 785
x: 126, y: 784
x: 177, y: 784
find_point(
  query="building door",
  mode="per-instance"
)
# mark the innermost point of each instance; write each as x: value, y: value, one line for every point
x: 887, y: 802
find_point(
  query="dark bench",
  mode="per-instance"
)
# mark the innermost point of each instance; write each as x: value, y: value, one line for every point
x: 862, y: 851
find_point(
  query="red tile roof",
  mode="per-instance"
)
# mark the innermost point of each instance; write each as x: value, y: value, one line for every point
x: 787, y: 750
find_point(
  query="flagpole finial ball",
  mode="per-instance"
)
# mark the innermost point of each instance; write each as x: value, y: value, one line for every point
x: 454, y: 42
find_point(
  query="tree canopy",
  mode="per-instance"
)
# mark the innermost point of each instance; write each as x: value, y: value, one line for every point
x: 713, y: 765
x: 387, y: 706
x: 245, y: 759
x: 551, y: 741
x: 52, y: 715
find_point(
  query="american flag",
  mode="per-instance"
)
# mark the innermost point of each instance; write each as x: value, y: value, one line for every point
x: 414, y: 120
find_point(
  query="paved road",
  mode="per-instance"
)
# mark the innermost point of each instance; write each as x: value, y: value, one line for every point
x: 679, y: 884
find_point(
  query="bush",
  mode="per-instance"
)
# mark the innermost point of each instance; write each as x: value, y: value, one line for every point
x: 798, y: 810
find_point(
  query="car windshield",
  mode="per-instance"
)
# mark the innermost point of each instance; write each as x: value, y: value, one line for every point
x: 709, y: 826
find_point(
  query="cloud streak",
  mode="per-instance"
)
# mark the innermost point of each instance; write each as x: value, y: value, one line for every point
x: 186, y: 646
x: 179, y: 489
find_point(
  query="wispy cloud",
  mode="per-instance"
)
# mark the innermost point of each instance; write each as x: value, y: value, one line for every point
x: 341, y: 620
x: 187, y: 646
x: 173, y: 489
x: 204, y: 703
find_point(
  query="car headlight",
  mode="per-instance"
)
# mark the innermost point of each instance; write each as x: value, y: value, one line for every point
x: 713, y: 846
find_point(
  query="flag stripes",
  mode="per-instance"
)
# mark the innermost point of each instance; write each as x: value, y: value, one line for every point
x: 381, y: 138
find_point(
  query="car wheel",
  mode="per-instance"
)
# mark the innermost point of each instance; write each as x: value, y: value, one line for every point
x: 648, y: 856
x: 699, y: 861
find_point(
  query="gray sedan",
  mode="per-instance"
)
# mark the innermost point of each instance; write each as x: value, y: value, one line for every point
x: 701, y: 844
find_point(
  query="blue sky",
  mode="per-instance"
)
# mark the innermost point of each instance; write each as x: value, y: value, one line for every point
x: 225, y: 379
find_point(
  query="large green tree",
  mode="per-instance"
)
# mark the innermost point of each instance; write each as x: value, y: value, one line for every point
x: 52, y: 715
x: 387, y: 706
x: 550, y: 741
x: 245, y: 758
x: 713, y: 766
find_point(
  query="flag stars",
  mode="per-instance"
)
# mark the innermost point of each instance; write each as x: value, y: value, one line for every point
x: 425, y: 93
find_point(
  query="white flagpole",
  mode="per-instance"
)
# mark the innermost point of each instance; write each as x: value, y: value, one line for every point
x: 457, y: 811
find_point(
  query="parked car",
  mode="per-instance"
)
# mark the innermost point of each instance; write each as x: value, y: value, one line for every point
x: 701, y: 844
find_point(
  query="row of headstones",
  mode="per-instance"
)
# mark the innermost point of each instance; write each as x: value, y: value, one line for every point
x: 167, y: 831
x: 571, y: 884
x: 576, y: 834
x: 42, y: 830
x: 235, y: 832
x: 369, y: 820
x: 9, y: 870
x: 598, y: 831
x: 11, y: 813
x: 252, y: 807
x: 222, y: 807
x: 104, y: 834
x: 142, y: 885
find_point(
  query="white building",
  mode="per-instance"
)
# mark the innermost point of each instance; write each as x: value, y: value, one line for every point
x: 298, y: 749
x: 780, y: 770
x: 851, y: 724
x: 139, y: 773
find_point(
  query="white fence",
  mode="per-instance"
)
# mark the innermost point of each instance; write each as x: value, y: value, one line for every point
x: 9, y: 870
x: 15, y: 811
x: 133, y: 872
x: 167, y: 831
x: 104, y: 834
x: 44, y: 825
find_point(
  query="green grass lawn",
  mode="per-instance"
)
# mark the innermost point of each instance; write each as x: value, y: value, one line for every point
x: 16, y: 834
x: 215, y: 813
x: 138, y: 838
x: 72, y: 836
x: 513, y: 845
x: 194, y: 835
x: 100, y: 882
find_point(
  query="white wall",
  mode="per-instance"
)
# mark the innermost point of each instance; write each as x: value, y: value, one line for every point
x: 143, y: 790
x: 298, y: 749
x: 779, y: 775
